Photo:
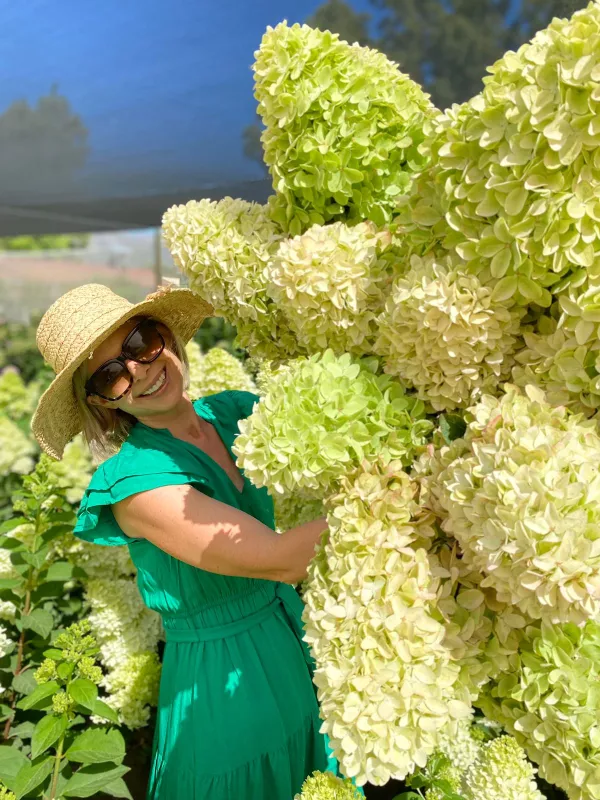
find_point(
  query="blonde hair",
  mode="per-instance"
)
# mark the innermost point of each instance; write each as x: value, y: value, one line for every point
x: 105, y: 429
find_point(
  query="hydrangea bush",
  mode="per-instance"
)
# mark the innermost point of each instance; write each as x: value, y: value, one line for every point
x: 418, y: 297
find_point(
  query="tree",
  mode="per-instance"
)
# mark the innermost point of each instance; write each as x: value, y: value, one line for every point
x: 337, y: 16
x: 42, y: 147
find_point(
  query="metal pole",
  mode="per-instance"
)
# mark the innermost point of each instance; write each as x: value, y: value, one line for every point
x: 157, y: 256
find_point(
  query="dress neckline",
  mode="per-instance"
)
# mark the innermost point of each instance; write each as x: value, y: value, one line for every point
x: 207, y: 414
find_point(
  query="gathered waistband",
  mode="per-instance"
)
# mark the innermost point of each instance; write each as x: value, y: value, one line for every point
x: 285, y: 599
x: 227, y: 629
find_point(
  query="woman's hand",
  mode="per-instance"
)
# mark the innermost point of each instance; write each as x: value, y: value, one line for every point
x: 216, y: 537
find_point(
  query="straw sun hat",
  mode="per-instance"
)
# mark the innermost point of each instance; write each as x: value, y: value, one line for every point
x: 75, y: 324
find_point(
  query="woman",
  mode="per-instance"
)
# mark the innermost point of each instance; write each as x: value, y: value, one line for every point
x: 237, y: 714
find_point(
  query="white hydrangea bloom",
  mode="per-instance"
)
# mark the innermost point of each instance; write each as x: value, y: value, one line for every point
x: 459, y: 745
x: 331, y: 283
x: 16, y: 449
x: 5, y: 641
x: 224, y: 248
x: 524, y: 505
x: 7, y: 570
x: 444, y: 334
x: 294, y: 510
x: 215, y: 371
x: 387, y: 684
x: 127, y: 633
x: 17, y: 400
x: 133, y: 687
x: 502, y: 772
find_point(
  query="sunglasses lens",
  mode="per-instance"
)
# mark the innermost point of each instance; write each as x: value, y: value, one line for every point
x: 144, y: 344
x: 111, y: 380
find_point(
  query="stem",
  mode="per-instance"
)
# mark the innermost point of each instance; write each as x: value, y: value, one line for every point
x: 56, y: 767
x: 21, y: 645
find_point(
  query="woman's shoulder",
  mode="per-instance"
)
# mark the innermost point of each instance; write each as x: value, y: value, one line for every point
x: 230, y: 404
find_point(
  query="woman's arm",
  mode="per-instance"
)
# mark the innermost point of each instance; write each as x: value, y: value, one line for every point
x: 216, y: 537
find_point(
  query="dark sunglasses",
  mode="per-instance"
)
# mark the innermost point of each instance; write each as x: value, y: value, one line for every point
x: 112, y: 380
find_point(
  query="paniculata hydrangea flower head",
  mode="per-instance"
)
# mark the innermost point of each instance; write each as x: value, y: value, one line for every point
x: 502, y: 772
x: 343, y: 127
x: 73, y: 472
x: 387, y: 684
x: 523, y: 505
x: 321, y: 417
x: 17, y: 400
x: 444, y: 334
x: 510, y: 186
x: 224, y: 248
x: 326, y: 786
x: 291, y: 511
x: 133, y: 688
x: 16, y: 449
x: 331, y: 283
x: 547, y: 697
x: 215, y: 371
x: 459, y: 745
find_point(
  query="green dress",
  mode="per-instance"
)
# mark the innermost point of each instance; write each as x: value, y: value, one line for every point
x: 237, y: 715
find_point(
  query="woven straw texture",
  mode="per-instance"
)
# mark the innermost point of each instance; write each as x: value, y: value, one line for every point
x: 76, y: 324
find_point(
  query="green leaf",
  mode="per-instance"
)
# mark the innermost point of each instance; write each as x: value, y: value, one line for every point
x: 48, y: 731
x: 11, y: 524
x: 11, y: 761
x: 10, y: 583
x: 102, y: 710
x: 84, y: 692
x: 408, y: 796
x: 96, y: 745
x: 89, y: 780
x: 24, y: 683
x: 118, y: 788
x: 65, y: 670
x: 37, y: 560
x: 39, y: 621
x: 54, y: 654
x: 31, y: 775
x: 23, y: 731
x: 59, y: 571
x: 452, y: 426
x: 39, y: 697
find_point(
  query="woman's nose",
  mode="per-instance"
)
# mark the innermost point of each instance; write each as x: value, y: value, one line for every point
x: 136, y: 370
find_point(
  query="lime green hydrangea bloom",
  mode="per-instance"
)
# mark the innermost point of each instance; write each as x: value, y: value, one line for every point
x: 331, y: 283
x: 547, y: 697
x: 387, y: 683
x: 326, y: 786
x: 523, y: 505
x: 321, y: 417
x: 46, y: 671
x: 343, y: 127
x: 444, y: 334
x: 502, y: 773
x: 73, y: 472
x: 17, y: 400
x: 224, y: 248
x: 459, y: 745
x: 510, y: 186
x: 215, y: 371
x: 5, y: 794
x: 291, y: 511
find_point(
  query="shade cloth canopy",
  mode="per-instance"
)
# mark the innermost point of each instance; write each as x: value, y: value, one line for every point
x: 111, y: 112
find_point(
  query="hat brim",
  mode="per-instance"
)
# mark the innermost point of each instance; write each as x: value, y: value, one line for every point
x: 56, y: 419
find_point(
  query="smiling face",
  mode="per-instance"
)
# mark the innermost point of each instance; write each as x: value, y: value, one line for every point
x: 157, y: 388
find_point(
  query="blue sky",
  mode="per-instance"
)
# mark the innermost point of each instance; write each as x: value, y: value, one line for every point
x: 161, y: 82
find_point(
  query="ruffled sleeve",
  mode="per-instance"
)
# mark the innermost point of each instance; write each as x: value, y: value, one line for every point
x: 141, y: 465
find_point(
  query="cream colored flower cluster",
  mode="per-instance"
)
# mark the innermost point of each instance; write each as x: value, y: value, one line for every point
x: 16, y: 449
x: 444, y: 334
x: 128, y: 634
x: 387, y: 683
x: 327, y: 786
x: 523, y: 504
x: 331, y: 284
x: 215, y: 371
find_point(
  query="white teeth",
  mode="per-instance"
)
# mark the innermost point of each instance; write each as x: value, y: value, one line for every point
x: 156, y: 386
